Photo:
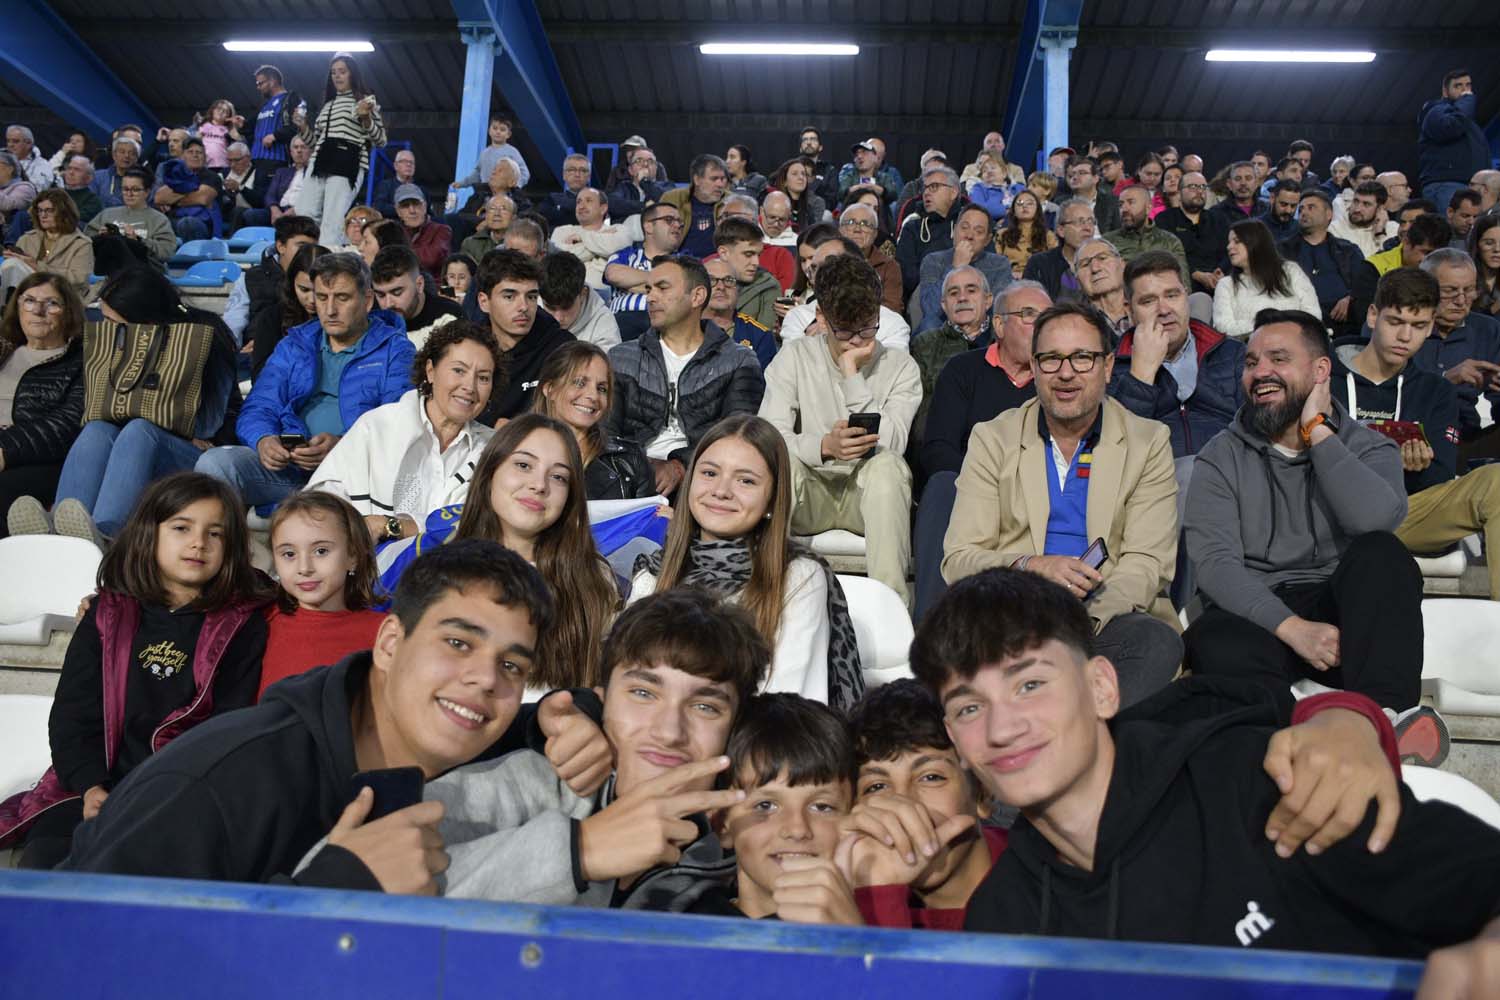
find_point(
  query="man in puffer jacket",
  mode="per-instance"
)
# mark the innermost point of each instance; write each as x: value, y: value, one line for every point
x: 682, y: 376
x: 1450, y: 141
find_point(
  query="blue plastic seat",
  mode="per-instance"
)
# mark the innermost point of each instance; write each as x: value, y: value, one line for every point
x: 246, y: 235
x: 208, y: 274
x: 250, y: 255
x: 195, y: 250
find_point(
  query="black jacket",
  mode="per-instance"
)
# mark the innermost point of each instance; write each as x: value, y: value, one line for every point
x: 1204, y: 244
x: 922, y: 234
x: 1425, y: 397
x: 244, y: 796
x: 1181, y: 858
x: 264, y: 285
x: 722, y: 379
x: 620, y: 471
x: 523, y: 365
x: 46, y: 412
x: 1106, y: 211
x: 969, y: 391
x: 1346, y: 259
x: 1051, y: 269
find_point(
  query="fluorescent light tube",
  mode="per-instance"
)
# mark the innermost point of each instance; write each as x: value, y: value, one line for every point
x: 778, y: 49
x: 270, y: 45
x: 1289, y: 56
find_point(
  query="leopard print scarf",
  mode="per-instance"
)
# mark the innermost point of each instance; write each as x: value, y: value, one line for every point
x: 724, y: 568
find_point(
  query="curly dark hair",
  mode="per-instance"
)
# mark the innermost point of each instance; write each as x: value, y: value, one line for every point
x: 445, y: 337
x: 896, y: 718
x: 848, y: 291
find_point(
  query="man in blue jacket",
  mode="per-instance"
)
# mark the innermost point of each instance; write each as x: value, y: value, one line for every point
x: 1450, y: 141
x: 320, y: 379
x: 1170, y: 367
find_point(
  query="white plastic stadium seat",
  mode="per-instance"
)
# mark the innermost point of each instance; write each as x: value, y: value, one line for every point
x: 883, y: 628
x: 1430, y: 783
x: 24, y: 749
x: 1447, y: 565
x: 46, y: 576
x: 844, y: 550
x: 1460, y: 666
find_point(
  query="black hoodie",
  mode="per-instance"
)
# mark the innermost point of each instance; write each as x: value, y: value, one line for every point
x: 1181, y: 857
x: 242, y: 797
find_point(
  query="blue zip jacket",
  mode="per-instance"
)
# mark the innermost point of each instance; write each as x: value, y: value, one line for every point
x: 379, y: 373
x: 1451, y: 145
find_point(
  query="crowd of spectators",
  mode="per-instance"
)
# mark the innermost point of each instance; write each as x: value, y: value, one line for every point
x: 1056, y: 405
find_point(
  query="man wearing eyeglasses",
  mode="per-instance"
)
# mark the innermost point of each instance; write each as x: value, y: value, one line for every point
x: 1465, y: 349
x: 627, y: 271
x: 1042, y: 483
x: 776, y: 220
x: 931, y: 229
x: 845, y: 404
x: 1083, y: 181
x: 1054, y: 269
x: 1203, y: 234
x: 1100, y: 270
x: 973, y: 246
x: 860, y: 224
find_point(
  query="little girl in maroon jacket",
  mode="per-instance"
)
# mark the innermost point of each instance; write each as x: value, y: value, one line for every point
x: 172, y: 637
x: 321, y: 553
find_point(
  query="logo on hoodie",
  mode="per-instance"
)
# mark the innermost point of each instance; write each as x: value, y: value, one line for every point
x: 1252, y: 925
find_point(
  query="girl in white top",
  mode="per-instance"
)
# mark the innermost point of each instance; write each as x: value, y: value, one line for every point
x: 1261, y: 280
x: 406, y: 459
x: 731, y: 534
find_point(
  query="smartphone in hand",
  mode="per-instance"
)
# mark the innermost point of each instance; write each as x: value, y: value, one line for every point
x: 867, y: 422
x: 1095, y: 555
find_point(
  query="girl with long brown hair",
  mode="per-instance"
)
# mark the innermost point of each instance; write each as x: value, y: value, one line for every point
x: 731, y: 534
x: 528, y: 495
x: 575, y: 386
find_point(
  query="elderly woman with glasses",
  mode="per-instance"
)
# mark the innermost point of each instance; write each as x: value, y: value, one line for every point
x: 41, y: 388
x: 54, y: 246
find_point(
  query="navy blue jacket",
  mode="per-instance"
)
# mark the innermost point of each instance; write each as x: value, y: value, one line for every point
x: 1451, y: 145
x: 1425, y: 397
x: 1207, y: 411
x: 379, y: 373
x: 1478, y: 336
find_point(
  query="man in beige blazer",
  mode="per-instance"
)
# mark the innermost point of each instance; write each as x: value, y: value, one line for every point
x: 1041, y: 483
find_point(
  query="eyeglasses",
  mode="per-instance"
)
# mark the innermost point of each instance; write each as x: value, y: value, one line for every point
x: 1085, y: 262
x: 1458, y: 294
x: 859, y: 224
x: 132, y: 190
x: 1077, y: 222
x: 41, y: 306
x: 934, y: 187
x: 728, y: 281
x: 1028, y: 315
x: 1081, y: 362
x: 1195, y: 187
x: 863, y: 334
x: 778, y: 219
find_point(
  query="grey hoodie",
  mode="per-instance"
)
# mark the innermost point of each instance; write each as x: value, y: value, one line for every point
x: 510, y: 829
x: 1256, y: 519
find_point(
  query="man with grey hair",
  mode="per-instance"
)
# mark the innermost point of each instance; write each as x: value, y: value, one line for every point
x: 859, y: 222
x: 241, y: 187
x: 1100, y: 270
x: 76, y: 175
x: 499, y: 212
x: 359, y: 359
x: 776, y: 220
x: 1465, y: 349
x: 557, y: 207
x: 973, y: 387
x: 404, y: 171
x: 966, y: 306
x: 1487, y: 183
x: 20, y: 143
x: 126, y: 153
x: 1053, y: 268
x: 931, y: 229
x: 973, y: 244
x: 700, y: 204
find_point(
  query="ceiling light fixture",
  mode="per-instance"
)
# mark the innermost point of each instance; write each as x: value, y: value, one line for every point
x: 293, y: 45
x: 1289, y: 56
x: 778, y: 49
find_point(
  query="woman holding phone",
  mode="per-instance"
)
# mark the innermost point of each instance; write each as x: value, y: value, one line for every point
x: 344, y: 131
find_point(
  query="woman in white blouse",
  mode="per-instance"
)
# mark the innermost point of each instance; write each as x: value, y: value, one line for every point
x: 404, y: 460
x: 1261, y: 280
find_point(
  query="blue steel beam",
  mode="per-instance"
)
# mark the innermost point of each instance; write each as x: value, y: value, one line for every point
x: 1026, y: 107
x: 42, y: 56
x: 479, y: 76
x: 528, y: 75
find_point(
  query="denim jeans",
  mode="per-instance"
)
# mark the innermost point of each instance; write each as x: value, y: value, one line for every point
x: 1440, y: 193
x: 110, y: 466
x: 257, y: 485
x: 191, y: 229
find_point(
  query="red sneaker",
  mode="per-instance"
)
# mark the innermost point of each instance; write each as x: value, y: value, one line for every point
x: 1421, y: 737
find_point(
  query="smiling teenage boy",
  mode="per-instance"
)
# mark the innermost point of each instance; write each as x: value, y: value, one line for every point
x: 680, y: 665
x: 245, y: 796
x: 1138, y: 829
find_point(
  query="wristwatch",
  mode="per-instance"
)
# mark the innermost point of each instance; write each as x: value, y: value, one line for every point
x: 392, y: 529
x: 1319, y: 418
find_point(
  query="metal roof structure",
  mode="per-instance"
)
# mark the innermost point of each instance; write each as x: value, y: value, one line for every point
x: 929, y: 73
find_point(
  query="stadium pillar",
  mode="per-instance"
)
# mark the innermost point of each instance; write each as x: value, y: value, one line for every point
x: 1057, y: 47
x: 42, y: 56
x: 474, y: 118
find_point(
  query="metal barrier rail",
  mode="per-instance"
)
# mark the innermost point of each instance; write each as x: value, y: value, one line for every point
x: 106, y: 936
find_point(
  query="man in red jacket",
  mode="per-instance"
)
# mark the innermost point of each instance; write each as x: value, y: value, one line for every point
x: 432, y: 241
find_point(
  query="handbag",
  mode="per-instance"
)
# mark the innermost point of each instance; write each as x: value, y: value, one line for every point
x: 148, y: 371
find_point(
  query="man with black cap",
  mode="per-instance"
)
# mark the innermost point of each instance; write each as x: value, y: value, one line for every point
x: 432, y: 241
x: 869, y: 172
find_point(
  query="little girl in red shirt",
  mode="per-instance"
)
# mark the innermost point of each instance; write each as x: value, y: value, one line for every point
x: 325, y: 563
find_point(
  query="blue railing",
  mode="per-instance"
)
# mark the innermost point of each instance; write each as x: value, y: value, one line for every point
x: 105, y: 936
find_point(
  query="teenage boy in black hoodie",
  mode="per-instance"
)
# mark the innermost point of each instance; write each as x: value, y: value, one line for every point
x: 1141, y: 829
x: 245, y: 796
x: 509, y: 290
x: 1378, y: 383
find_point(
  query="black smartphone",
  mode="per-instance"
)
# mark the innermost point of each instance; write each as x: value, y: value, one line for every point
x: 446, y: 291
x: 1094, y: 556
x: 786, y: 300
x: 867, y: 422
x: 395, y: 788
x: 290, y: 441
